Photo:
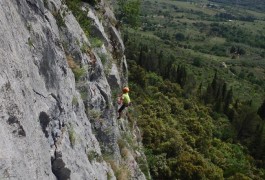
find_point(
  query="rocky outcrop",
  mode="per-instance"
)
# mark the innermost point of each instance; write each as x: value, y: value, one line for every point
x: 58, y: 119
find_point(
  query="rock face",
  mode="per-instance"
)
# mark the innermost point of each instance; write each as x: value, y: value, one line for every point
x: 58, y: 119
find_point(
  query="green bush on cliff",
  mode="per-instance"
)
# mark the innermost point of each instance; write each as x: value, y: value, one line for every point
x: 80, y: 15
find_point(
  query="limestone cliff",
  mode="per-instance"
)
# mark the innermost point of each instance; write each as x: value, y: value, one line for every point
x: 58, y: 89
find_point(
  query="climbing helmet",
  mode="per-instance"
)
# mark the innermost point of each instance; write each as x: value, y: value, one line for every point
x: 125, y: 89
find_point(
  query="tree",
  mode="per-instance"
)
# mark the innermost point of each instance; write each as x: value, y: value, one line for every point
x: 261, y: 111
x: 228, y: 100
x: 181, y: 75
x: 197, y: 61
x: 129, y: 12
x: 237, y: 50
x: 233, y: 50
x: 180, y: 37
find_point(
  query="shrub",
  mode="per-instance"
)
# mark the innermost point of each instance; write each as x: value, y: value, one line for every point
x: 121, y: 172
x: 180, y: 37
x: 84, y: 48
x: 93, y: 155
x: 80, y: 15
x: 59, y: 19
x: 129, y: 12
x: 103, y: 57
x: 94, y: 114
x: 95, y: 42
x: 74, y: 101
x: 197, y: 62
x: 78, y: 72
x: 84, y: 94
x: 30, y: 42
x: 72, y: 135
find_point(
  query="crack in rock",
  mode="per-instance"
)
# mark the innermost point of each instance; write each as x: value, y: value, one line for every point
x: 58, y: 103
x: 44, y: 122
x: 36, y: 92
x: 58, y: 167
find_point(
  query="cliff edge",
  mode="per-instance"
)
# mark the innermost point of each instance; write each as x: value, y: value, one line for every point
x: 59, y: 84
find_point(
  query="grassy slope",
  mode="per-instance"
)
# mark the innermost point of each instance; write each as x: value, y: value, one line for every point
x: 177, y: 16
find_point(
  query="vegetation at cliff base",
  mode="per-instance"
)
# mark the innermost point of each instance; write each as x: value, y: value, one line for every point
x: 197, y: 84
x: 184, y: 138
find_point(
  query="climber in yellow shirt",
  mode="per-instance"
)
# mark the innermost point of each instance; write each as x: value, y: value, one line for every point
x: 124, y: 100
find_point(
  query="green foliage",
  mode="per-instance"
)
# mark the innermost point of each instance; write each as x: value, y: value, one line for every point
x: 84, y: 48
x: 143, y: 166
x: 197, y: 61
x: 109, y: 176
x: 181, y: 138
x: 72, y: 135
x: 138, y: 75
x: 237, y: 50
x: 205, y: 132
x: 59, y: 19
x: 231, y: 158
x: 94, y: 114
x: 74, y: 101
x: 129, y: 11
x: 94, y: 156
x: 261, y: 110
x: 30, y: 42
x: 95, y: 42
x: 262, y: 54
x: 80, y: 15
x: 121, y: 171
x: 236, y: 34
x: 78, y: 71
x: 180, y: 37
x: 84, y: 94
x: 248, y: 4
x: 156, y: 61
x: 103, y: 57
x: 222, y: 128
x: 194, y: 166
x: 218, y: 95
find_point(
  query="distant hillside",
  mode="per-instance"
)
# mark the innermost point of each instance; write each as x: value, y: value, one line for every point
x: 249, y: 4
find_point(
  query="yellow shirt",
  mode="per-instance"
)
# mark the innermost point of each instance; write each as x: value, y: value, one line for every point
x: 126, y: 98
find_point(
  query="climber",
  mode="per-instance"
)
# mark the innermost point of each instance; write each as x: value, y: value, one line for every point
x: 124, y: 99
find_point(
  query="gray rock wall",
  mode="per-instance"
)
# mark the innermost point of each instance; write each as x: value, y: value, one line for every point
x: 53, y: 125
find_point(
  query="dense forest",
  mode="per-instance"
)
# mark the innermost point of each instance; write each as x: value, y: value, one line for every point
x: 197, y: 83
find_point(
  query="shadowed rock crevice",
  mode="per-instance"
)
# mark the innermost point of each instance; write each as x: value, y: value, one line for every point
x: 58, y: 102
x: 97, y: 72
x: 38, y: 93
x: 59, y: 169
x: 104, y: 95
x: 44, y: 121
x: 38, y: 8
x: 47, y: 67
